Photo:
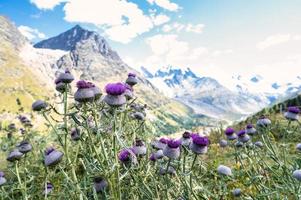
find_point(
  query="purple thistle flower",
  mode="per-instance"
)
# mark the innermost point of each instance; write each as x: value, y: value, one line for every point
x: 186, y: 134
x: 14, y: 155
x: 100, y: 184
x: 2, y: 174
x: 229, y: 131
x: 174, y: 143
x: 292, y: 113
x: 163, y: 140
x: 39, y: 105
x: 131, y: 80
x: 66, y: 77
x: 139, y: 148
x: 293, y: 109
x: 194, y: 135
x: 152, y: 157
x: 52, y: 156
x: 172, y: 149
x: 201, y: 141
x: 186, y: 139
x: 249, y: 126
x: 127, y: 156
x: 132, y: 74
x: 83, y: 84
x: 199, y: 144
x: 24, y: 147
x: 115, y: 89
x: 241, y: 133
x: 75, y: 134
x: 263, y: 121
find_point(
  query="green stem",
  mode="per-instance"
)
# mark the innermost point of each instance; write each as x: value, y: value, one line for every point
x: 23, y: 188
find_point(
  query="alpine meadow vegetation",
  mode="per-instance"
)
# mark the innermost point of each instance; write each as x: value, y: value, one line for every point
x: 98, y: 146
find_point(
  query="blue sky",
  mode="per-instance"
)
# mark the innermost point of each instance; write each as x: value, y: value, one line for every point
x: 213, y: 37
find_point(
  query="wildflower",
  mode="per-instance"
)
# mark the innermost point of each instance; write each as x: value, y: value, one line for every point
x: 263, y: 121
x: 84, y: 92
x: 66, y: 77
x: 139, y: 148
x: 224, y: 170
x: 223, y: 143
x: 159, y: 144
x: 52, y: 156
x: 236, y: 192
x: 100, y: 184
x: 24, y: 147
x: 171, y: 170
x: 138, y: 115
x: 230, y: 134
x: 172, y: 149
x: 59, y: 85
x: 297, y: 175
x: 258, y: 144
x: 115, y: 94
x: 39, y: 105
x: 127, y: 156
x: 292, y: 113
x: 242, y: 136
x: 128, y: 92
x: 186, y: 139
x: 199, y: 144
x: 250, y: 130
x: 2, y: 178
x: 14, y: 155
x: 49, y: 187
x: 298, y: 146
x: 131, y: 80
x: 156, y: 155
x: 75, y: 134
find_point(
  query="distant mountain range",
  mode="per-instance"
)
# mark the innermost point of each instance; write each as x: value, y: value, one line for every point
x: 205, y: 95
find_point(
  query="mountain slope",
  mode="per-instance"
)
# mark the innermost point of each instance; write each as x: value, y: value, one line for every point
x: 17, y: 81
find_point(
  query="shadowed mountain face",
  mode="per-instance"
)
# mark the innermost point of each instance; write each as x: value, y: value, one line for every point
x: 77, y: 36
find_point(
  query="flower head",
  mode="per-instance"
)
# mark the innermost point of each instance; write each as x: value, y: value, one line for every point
x: 131, y: 74
x: 115, y: 89
x: 52, y: 156
x: 229, y: 131
x: 201, y: 141
x: 84, y: 84
x: 127, y: 156
x: 39, y: 105
x: 174, y: 143
x: 100, y: 184
x: 186, y: 134
x: 2, y: 178
x: 241, y: 133
x: 297, y: 175
x: 224, y: 170
x: 293, y: 109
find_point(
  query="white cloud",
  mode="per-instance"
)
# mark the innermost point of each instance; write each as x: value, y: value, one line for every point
x: 160, y: 19
x: 47, y: 4
x: 197, y: 28
x: 277, y: 39
x: 177, y: 27
x: 168, y: 49
x: 31, y: 33
x: 166, y: 4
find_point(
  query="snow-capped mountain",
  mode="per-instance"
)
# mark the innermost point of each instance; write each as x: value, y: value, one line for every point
x: 272, y: 90
x: 204, y: 94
